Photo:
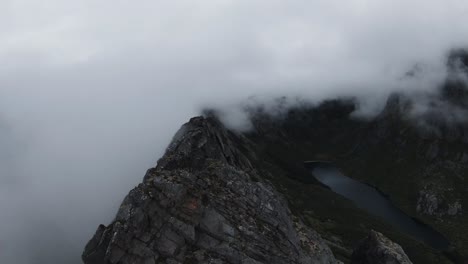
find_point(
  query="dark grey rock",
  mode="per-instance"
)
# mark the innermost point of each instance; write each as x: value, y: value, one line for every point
x: 378, y: 249
x: 200, y: 205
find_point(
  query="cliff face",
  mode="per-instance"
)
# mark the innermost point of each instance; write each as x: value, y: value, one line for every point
x: 205, y: 203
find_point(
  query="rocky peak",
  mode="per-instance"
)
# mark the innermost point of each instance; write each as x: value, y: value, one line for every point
x: 200, y: 140
x: 205, y: 203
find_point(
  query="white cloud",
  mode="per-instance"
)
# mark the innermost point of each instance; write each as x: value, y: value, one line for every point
x: 92, y: 91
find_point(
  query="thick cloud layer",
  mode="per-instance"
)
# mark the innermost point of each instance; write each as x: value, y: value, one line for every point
x: 92, y: 91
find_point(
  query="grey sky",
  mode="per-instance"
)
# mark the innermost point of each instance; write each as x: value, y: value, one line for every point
x: 92, y: 91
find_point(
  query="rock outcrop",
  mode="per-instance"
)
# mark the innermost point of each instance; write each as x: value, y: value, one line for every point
x: 432, y: 202
x: 205, y: 203
x: 378, y: 249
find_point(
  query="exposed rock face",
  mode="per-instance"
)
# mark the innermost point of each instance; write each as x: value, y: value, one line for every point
x: 378, y: 249
x: 437, y: 196
x: 432, y: 203
x: 205, y: 203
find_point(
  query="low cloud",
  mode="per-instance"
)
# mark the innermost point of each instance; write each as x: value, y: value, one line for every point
x: 91, y: 92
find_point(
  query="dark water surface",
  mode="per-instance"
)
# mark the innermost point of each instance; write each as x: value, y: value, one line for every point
x: 370, y: 199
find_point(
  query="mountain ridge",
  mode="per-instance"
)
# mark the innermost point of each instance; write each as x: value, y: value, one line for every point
x: 201, y: 205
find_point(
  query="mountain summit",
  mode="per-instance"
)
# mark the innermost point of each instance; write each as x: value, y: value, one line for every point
x: 205, y: 202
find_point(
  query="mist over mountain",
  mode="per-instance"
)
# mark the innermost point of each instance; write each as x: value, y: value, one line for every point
x: 91, y: 93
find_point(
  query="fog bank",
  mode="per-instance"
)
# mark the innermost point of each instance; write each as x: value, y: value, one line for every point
x: 91, y: 92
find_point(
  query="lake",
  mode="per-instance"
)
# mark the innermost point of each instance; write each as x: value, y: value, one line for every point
x: 376, y: 203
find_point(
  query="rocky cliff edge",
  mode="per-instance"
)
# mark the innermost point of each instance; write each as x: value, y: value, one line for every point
x: 205, y: 203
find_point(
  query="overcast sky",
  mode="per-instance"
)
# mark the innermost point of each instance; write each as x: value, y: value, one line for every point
x: 92, y: 91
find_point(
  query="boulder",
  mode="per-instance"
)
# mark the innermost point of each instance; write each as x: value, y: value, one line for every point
x: 378, y: 249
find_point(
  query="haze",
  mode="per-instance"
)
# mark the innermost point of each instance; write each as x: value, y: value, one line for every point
x: 91, y: 92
